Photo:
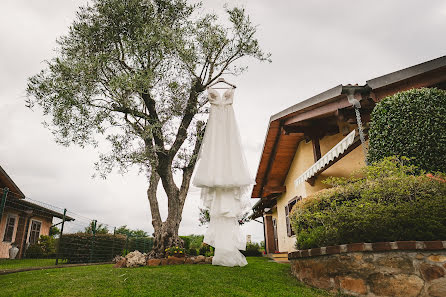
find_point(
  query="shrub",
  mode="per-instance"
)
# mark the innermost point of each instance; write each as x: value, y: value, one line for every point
x: 195, y: 241
x: 81, y: 248
x: 390, y: 202
x: 252, y: 250
x: 192, y: 252
x: 411, y: 124
x: 44, y: 248
x: 186, y: 241
x: 48, y: 245
x: 204, y: 248
x: 34, y: 251
x: 142, y: 244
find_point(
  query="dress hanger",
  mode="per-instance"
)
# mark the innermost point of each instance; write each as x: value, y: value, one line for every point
x: 222, y: 80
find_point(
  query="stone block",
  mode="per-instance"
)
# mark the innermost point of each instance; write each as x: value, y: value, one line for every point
x: 175, y: 260
x: 163, y: 261
x: 395, y: 263
x: 399, y: 285
x: 437, y: 288
x: 353, y: 285
x: 355, y: 247
x: 153, y: 262
x: 431, y: 272
x: 189, y: 260
x: 407, y: 245
x: 294, y: 255
x: 437, y: 258
x: 433, y: 245
x: 381, y: 246
x: 335, y: 249
x: 419, y: 256
x: 121, y: 263
x: 200, y: 258
x: 315, y: 252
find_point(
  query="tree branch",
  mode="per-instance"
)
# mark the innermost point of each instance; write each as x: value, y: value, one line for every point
x: 189, y: 113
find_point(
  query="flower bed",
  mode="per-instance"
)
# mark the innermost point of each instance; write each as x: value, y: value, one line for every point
x: 137, y: 259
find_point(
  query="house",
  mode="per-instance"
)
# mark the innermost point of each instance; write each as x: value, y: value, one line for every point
x: 21, y: 221
x: 319, y: 137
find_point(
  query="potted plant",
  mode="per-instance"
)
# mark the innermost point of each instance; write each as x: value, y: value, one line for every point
x: 13, y: 250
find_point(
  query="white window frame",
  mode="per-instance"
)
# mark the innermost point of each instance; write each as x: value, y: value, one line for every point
x: 289, y: 230
x: 14, y: 231
x: 29, y: 229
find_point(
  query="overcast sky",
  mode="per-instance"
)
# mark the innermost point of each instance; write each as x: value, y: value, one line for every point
x: 315, y: 46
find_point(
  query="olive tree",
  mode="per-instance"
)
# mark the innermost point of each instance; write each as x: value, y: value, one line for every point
x: 134, y: 72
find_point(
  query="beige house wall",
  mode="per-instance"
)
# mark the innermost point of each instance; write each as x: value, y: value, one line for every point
x: 303, y: 159
x: 5, y: 246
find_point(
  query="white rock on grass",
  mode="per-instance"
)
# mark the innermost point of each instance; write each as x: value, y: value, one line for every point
x: 135, y: 259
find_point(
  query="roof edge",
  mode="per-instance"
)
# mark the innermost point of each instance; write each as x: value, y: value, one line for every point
x: 397, y: 76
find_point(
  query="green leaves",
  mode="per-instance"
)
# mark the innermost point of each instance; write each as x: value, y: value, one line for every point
x: 389, y: 202
x: 133, y: 72
x: 411, y: 124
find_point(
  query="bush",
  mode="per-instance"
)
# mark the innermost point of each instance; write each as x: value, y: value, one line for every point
x: 48, y: 245
x: 195, y: 241
x: 411, y: 124
x: 186, y: 241
x: 191, y: 252
x: 34, y: 251
x: 252, y: 250
x: 390, y: 202
x: 44, y: 248
x: 142, y: 244
x: 80, y: 247
x: 205, y: 249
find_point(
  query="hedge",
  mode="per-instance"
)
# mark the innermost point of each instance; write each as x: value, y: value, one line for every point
x: 412, y: 124
x: 81, y: 248
x: 252, y: 250
x: 389, y: 203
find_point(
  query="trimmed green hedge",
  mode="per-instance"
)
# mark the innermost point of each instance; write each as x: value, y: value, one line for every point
x: 252, y: 250
x: 411, y: 124
x: 81, y: 248
x: 389, y: 203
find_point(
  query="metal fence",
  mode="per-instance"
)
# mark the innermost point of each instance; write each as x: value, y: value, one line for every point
x: 37, y: 234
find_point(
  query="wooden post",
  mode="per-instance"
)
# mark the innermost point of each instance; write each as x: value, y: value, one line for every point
x: 269, y: 234
x: 3, y: 202
x: 93, y: 227
x: 60, y: 236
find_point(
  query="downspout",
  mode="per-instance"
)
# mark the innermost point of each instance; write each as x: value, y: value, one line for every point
x: 357, y: 105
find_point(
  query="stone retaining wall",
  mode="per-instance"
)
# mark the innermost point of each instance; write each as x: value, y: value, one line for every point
x: 405, y: 268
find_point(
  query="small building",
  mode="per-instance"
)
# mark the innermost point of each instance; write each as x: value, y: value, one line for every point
x: 21, y: 222
x: 318, y: 138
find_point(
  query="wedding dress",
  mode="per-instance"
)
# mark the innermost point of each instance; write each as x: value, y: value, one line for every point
x: 223, y: 176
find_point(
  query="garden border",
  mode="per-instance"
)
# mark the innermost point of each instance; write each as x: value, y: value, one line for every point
x: 9, y: 271
x: 369, y: 247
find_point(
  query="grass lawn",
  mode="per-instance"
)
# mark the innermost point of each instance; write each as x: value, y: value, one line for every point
x: 6, y: 264
x: 259, y: 278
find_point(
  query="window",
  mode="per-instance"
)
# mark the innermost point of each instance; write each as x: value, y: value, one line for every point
x: 9, y: 230
x: 34, y: 233
x: 288, y: 209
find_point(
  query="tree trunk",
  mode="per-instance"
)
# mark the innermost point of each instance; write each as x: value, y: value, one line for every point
x: 166, y: 233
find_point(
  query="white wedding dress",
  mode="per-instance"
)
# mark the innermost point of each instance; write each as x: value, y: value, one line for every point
x: 224, y: 179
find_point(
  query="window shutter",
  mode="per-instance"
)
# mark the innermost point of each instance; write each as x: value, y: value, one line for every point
x: 287, y: 218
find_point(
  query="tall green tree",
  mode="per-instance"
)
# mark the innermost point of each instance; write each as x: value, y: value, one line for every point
x: 99, y: 228
x: 134, y: 72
